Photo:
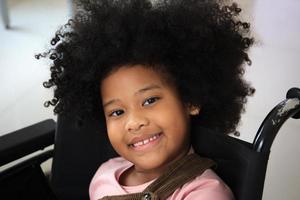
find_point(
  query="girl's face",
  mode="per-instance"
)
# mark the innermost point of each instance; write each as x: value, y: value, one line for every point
x: 146, y: 121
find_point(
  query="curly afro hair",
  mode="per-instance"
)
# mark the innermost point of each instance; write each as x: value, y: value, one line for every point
x: 202, y: 44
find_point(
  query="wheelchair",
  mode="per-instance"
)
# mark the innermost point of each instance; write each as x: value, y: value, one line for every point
x: 79, y: 151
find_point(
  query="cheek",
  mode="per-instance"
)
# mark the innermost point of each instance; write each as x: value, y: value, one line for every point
x: 114, y: 133
x: 173, y: 120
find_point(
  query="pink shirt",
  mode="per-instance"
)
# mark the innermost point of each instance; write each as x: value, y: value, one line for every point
x: 207, y: 186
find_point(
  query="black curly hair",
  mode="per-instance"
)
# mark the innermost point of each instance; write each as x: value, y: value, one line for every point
x: 202, y: 44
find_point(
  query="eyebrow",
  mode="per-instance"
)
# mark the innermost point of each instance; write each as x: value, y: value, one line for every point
x: 147, y: 88
x: 150, y: 87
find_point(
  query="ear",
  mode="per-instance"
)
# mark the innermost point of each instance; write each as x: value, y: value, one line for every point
x: 193, y: 110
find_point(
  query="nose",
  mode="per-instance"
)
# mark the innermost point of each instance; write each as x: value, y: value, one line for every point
x: 135, y: 122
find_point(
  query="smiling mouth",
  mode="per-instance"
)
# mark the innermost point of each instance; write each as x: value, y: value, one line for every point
x: 146, y: 141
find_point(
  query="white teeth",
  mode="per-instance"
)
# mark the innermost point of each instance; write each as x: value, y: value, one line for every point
x: 139, y: 144
x: 146, y: 141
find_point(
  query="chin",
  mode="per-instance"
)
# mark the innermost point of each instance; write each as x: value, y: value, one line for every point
x: 151, y: 163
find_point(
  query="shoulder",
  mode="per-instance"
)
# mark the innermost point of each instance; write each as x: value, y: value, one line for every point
x: 110, y: 167
x: 106, y: 178
x: 113, y: 164
x: 206, y: 186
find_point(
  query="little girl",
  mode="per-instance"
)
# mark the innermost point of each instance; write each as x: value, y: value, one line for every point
x: 151, y: 71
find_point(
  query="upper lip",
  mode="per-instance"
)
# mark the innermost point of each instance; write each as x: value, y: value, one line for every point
x: 141, y: 138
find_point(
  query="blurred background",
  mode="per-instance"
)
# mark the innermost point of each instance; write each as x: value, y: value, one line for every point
x: 275, y: 68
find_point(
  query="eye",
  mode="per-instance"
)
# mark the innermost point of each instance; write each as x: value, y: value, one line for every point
x: 116, y: 113
x: 150, y: 100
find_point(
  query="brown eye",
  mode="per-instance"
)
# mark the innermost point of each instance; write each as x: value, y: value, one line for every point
x: 150, y: 100
x: 116, y: 113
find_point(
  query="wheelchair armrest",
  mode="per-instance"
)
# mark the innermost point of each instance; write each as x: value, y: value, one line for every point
x: 26, y: 180
x: 269, y: 128
x: 33, y: 161
x: 25, y: 141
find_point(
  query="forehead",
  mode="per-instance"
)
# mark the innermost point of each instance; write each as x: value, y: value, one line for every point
x: 132, y: 78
